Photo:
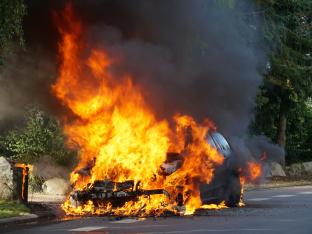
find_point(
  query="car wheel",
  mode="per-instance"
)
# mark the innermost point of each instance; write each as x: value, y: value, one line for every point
x: 233, y: 192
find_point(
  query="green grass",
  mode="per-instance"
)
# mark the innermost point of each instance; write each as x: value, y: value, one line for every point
x: 11, y: 209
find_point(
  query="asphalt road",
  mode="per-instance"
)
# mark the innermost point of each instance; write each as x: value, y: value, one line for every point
x: 281, y: 210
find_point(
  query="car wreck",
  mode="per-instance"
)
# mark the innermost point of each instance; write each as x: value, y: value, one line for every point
x: 115, y: 193
x: 225, y: 186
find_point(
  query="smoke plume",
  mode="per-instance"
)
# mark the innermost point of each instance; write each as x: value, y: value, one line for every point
x: 196, y: 57
x: 193, y: 57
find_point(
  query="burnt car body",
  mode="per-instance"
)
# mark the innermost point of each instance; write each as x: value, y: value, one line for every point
x: 114, y: 193
x: 225, y: 185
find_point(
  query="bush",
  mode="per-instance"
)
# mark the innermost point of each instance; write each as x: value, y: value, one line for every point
x: 40, y: 135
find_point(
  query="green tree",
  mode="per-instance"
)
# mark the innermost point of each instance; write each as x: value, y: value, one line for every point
x: 41, y: 136
x: 299, y: 133
x: 11, y: 18
x: 287, y: 84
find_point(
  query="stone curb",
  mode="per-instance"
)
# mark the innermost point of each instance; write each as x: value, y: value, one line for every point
x: 19, y: 219
x: 277, y: 185
x: 27, y: 218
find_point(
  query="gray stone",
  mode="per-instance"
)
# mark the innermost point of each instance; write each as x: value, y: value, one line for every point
x: 295, y: 170
x: 276, y: 169
x: 56, y: 186
x: 307, y: 167
x: 273, y: 169
x: 6, y: 179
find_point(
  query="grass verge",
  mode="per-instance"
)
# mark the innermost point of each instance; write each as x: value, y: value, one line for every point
x: 11, y: 209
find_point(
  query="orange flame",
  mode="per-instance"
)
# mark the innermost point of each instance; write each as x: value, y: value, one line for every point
x: 25, y: 169
x: 118, y: 135
x: 255, y: 170
x: 251, y: 173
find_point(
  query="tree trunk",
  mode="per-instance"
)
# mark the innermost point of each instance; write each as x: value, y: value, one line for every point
x: 281, y: 129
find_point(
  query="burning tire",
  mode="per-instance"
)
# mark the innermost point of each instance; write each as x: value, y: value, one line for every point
x: 225, y: 187
x: 234, y: 192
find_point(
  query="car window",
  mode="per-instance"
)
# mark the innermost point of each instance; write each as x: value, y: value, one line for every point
x: 220, y: 143
x: 211, y: 141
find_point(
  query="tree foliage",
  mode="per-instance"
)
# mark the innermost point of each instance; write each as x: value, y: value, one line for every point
x: 41, y: 136
x: 282, y: 101
x: 11, y: 23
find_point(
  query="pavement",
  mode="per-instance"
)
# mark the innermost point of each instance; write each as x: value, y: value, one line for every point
x: 279, y: 210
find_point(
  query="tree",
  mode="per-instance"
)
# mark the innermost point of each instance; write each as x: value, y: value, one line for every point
x: 11, y: 18
x: 41, y: 136
x: 288, y: 82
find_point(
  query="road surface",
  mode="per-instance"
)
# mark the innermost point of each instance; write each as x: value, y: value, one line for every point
x: 280, y: 210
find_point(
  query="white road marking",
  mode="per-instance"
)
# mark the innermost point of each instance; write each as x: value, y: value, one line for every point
x: 210, y: 230
x: 255, y: 229
x: 135, y: 227
x: 308, y: 192
x: 87, y: 229
x: 259, y: 199
x: 127, y: 221
x: 286, y: 220
x: 284, y: 195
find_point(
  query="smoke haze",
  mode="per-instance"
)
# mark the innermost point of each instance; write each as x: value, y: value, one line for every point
x: 193, y: 57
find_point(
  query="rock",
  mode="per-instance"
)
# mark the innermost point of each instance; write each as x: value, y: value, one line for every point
x: 6, y: 179
x: 307, y: 167
x: 295, y: 170
x: 55, y: 186
x: 276, y: 169
x: 273, y: 169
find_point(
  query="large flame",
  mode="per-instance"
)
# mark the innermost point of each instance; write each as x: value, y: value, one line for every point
x: 114, y: 128
x: 117, y: 133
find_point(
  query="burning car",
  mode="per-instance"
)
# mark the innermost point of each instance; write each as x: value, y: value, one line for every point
x: 131, y: 162
x: 225, y: 187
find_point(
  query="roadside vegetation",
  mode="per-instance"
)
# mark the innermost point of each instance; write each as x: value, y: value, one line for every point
x: 11, y: 209
x: 12, y: 13
x: 39, y: 135
x: 284, y: 106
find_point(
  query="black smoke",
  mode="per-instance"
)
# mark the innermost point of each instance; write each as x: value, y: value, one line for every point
x: 194, y: 57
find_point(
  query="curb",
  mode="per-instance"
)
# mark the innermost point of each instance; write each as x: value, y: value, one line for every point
x: 27, y: 218
x: 19, y: 219
x: 278, y: 185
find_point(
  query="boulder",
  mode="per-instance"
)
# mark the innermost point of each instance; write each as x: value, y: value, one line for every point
x: 295, y: 170
x: 307, y: 167
x: 56, y: 186
x: 274, y: 169
x: 6, y: 179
